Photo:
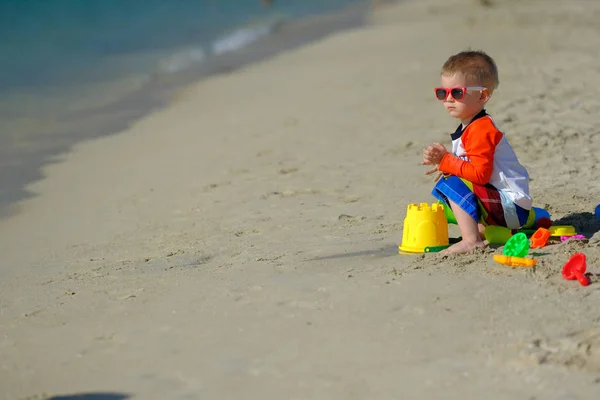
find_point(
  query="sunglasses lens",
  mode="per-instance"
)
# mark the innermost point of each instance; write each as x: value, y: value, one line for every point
x: 457, y: 93
x: 440, y: 94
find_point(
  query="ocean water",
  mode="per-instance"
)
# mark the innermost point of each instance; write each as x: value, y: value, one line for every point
x: 65, y: 62
x: 49, y: 42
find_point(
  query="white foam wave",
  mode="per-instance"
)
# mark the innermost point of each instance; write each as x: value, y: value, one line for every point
x: 182, y: 60
x: 240, y: 38
x: 189, y: 57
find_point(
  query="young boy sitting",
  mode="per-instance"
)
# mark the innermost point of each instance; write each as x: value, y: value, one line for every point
x: 483, y: 182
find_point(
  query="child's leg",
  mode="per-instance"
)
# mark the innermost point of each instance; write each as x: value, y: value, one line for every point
x: 481, y: 228
x: 469, y: 229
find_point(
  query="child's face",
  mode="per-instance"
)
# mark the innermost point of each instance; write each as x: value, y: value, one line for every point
x: 472, y: 102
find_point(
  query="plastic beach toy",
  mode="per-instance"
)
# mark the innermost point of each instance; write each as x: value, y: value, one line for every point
x: 434, y: 249
x: 597, y: 211
x: 543, y: 223
x: 576, y: 237
x: 514, y: 261
x: 527, y: 232
x: 562, y: 230
x: 575, y: 269
x: 539, y: 238
x: 535, y: 214
x: 424, y: 227
x: 449, y: 214
x: 497, y: 234
x: 540, y: 213
x: 517, y: 246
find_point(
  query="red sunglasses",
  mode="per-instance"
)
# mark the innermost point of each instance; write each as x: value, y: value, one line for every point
x: 458, y: 93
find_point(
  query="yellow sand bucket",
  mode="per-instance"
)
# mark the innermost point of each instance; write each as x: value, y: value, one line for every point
x: 424, y: 227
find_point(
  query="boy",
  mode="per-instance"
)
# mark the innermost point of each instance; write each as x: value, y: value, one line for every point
x: 483, y: 182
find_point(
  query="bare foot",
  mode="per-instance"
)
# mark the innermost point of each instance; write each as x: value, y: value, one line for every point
x: 463, y: 247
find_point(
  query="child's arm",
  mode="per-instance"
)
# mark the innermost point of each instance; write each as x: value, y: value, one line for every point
x: 480, y: 147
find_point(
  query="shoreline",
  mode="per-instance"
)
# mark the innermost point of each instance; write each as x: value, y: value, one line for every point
x: 148, y: 95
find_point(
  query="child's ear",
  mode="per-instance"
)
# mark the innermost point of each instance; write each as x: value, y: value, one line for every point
x: 485, y: 95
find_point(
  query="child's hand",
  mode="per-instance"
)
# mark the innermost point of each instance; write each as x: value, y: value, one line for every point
x: 433, y: 154
x: 433, y: 170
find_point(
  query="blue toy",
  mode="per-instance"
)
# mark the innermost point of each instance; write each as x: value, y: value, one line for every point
x: 541, y: 213
x: 597, y: 211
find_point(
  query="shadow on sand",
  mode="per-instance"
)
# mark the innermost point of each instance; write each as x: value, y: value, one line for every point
x: 386, y: 251
x: 92, y: 396
x: 585, y: 223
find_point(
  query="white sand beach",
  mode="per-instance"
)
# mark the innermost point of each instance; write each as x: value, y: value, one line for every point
x: 241, y: 243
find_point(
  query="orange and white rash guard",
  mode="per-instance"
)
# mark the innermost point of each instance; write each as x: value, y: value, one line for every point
x: 482, y: 155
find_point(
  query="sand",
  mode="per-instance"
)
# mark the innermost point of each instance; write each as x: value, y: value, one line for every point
x: 242, y: 242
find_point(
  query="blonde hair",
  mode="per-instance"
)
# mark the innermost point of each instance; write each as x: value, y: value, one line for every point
x: 474, y: 65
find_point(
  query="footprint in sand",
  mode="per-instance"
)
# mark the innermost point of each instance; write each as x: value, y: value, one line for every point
x: 349, y: 220
x: 578, y: 350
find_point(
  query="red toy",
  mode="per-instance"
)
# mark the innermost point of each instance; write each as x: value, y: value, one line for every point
x: 544, y: 223
x: 575, y: 269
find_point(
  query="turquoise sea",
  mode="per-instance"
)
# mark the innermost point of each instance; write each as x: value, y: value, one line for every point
x: 74, y: 69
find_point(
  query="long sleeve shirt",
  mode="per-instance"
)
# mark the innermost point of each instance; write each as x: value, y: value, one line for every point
x: 482, y: 155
